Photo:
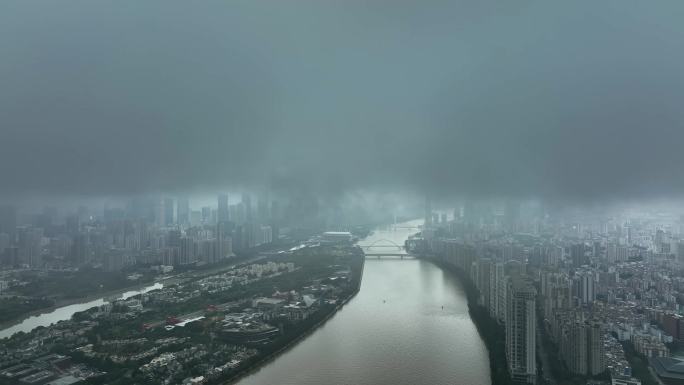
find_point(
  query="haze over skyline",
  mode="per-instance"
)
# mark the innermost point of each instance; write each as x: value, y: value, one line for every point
x: 574, y: 101
x: 370, y: 192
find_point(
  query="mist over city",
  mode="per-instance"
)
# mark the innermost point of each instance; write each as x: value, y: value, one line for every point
x: 341, y: 192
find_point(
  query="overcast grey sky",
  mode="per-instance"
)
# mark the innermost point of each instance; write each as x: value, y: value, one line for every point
x: 575, y: 99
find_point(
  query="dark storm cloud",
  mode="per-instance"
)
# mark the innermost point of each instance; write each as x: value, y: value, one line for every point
x: 579, y: 100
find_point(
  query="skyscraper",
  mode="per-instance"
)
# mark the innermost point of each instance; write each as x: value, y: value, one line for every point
x: 428, y: 212
x: 497, y: 290
x: 29, y: 241
x: 582, y: 346
x: 584, y: 287
x: 168, y: 211
x: 484, y: 271
x: 611, y: 253
x: 263, y: 212
x: 220, y: 236
x: 247, y: 201
x: 596, y: 354
x: 521, y: 330
x: 187, y: 251
x: 578, y: 255
x: 183, y: 211
x: 206, y: 214
x: 223, y: 214
x: 79, y: 248
x: 159, y: 212
x: 574, y: 347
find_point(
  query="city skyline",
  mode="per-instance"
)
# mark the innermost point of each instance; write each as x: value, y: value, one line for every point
x: 378, y: 192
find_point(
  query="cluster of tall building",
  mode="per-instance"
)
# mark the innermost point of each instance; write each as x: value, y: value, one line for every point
x: 589, y: 283
x: 581, y: 343
x: 509, y: 295
x: 159, y: 231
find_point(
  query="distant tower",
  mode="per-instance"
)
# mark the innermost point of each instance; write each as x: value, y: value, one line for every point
x: 220, y: 240
x: 223, y: 212
x: 159, y: 212
x: 247, y: 201
x: 428, y: 212
x: 183, y: 210
x: 168, y: 211
x: 206, y: 214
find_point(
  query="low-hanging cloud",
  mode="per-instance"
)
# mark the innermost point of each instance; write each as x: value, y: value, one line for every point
x: 578, y: 100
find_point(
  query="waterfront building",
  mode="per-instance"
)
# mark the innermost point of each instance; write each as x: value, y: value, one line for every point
x: 501, y: 289
x: 337, y: 237
x: 497, y: 303
x: 521, y: 330
x: 483, y: 274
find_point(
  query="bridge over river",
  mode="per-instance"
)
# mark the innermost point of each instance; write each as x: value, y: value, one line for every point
x: 384, y: 248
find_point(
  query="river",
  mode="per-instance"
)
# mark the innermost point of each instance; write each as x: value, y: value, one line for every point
x: 48, y: 317
x: 409, y: 324
x: 65, y: 312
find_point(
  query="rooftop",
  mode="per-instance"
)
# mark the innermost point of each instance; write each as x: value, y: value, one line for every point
x: 668, y: 367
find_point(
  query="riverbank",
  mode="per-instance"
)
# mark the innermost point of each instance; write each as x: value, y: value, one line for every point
x: 75, y: 301
x: 133, y: 288
x: 297, y: 293
x: 261, y: 362
x: 407, y: 325
x: 493, y: 334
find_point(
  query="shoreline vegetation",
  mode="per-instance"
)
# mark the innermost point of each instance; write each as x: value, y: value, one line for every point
x: 15, y: 309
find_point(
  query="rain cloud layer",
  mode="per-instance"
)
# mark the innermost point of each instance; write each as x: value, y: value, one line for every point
x: 576, y: 100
